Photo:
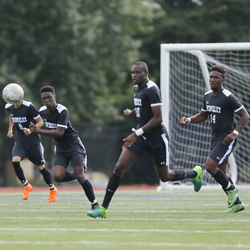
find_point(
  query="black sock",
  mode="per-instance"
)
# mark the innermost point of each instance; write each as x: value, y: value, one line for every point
x: 222, y: 179
x: 47, y: 177
x: 238, y: 201
x: 183, y: 174
x: 69, y: 176
x: 88, y: 189
x: 19, y: 172
x: 114, y: 182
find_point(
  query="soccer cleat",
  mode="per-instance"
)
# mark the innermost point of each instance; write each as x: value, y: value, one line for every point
x: 99, y: 211
x: 26, y: 192
x: 197, y: 181
x: 236, y: 208
x: 232, y: 196
x: 52, y: 194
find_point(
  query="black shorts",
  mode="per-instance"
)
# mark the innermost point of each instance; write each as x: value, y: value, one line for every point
x: 220, y: 152
x: 35, y: 153
x: 76, y: 154
x: 156, y: 145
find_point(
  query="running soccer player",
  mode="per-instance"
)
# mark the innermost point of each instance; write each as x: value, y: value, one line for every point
x: 69, y: 147
x: 28, y: 144
x: 220, y: 105
x: 150, y: 136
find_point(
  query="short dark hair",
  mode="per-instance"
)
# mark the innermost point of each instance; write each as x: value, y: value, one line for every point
x: 221, y: 69
x: 47, y: 89
x: 143, y: 64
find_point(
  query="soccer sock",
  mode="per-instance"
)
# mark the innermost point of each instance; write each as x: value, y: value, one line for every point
x: 238, y: 201
x: 222, y: 179
x: 69, y: 176
x: 47, y: 177
x: 183, y: 174
x: 88, y: 189
x: 114, y: 182
x: 19, y: 172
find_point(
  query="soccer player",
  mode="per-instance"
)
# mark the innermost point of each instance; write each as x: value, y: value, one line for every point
x: 28, y: 144
x: 220, y: 105
x: 69, y: 147
x: 150, y: 136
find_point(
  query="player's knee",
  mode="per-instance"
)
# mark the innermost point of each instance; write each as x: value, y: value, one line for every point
x: 57, y: 177
x: 119, y: 170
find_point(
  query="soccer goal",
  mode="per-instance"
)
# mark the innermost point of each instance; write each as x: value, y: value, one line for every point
x: 184, y: 80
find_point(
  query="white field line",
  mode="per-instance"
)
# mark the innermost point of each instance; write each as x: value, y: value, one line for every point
x: 236, y: 220
x: 153, y: 244
x: 115, y: 211
x: 124, y: 230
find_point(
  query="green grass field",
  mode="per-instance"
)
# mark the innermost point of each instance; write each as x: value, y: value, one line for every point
x: 137, y: 219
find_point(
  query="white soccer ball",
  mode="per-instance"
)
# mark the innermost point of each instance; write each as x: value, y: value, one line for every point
x: 13, y: 93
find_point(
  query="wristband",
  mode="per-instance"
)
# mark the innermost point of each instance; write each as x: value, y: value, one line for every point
x: 236, y: 132
x: 138, y: 132
x: 189, y: 120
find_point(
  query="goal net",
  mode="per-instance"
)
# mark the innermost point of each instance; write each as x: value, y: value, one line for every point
x: 184, y: 80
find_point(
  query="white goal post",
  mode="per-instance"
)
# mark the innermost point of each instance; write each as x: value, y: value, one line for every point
x: 184, y: 80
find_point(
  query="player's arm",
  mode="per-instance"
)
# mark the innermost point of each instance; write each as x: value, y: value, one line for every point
x: 198, y: 118
x: 58, y: 132
x: 10, y: 130
x: 39, y: 124
x: 152, y: 123
x: 129, y: 112
x: 244, y: 117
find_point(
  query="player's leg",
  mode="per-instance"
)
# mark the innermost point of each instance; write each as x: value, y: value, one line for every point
x: 125, y: 160
x: 18, y: 152
x: 79, y: 162
x: 59, y: 169
x: 160, y: 154
x: 36, y: 156
x: 214, y: 165
x: 238, y: 205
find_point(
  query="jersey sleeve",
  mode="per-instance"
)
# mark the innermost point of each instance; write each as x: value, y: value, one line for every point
x: 63, y: 119
x: 204, y: 106
x: 234, y: 103
x: 154, y: 96
x: 33, y: 111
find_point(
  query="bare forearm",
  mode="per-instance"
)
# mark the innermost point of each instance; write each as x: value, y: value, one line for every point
x: 198, y: 118
x: 242, y: 122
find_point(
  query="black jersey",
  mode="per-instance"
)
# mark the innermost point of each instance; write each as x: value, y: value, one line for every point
x: 221, y: 108
x: 60, y: 118
x: 145, y: 98
x: 22, y: 117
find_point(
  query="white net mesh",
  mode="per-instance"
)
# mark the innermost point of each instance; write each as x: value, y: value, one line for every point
x: 190, y: 145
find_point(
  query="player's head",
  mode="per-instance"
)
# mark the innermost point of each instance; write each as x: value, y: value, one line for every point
x: 217, y: 77
x: 48, y: 96
x: 139, y: 73
x: 48, y: 89
x: 221, y: 69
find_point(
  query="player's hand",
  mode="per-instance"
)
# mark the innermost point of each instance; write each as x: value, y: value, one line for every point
x: 229, y: 138
x: 184, y: 121
x: 128, y: 141
x: 26, y: 131
x: 127, y: 112
x: 10, y: 134
x: 33, y: 127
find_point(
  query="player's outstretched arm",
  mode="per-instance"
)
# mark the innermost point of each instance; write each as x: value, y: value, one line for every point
x: 198, y: 118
